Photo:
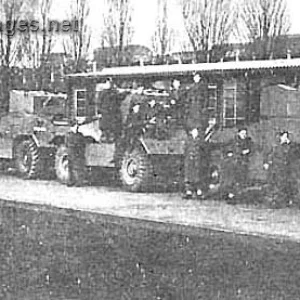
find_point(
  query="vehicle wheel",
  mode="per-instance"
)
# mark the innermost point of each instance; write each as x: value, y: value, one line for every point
x: 27, y: 159
x: 62, y: 164
x: 136, y: 171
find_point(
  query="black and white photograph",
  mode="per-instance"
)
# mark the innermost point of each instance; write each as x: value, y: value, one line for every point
x: 149, y: 149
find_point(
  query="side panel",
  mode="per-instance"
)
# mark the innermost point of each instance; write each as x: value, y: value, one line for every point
x: 7, y: 128
x: 100, y: 155
x: 6, y: 145
x: 174, y: 145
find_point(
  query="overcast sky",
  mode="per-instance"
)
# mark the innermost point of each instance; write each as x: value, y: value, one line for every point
x: 144, y: 18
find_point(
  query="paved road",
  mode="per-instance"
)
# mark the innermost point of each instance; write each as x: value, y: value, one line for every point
x: 159, y: 207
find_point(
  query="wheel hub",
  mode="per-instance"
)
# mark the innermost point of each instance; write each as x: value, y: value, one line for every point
x: 65, y: 163
x: 26, y: 159
x: 132, y: 168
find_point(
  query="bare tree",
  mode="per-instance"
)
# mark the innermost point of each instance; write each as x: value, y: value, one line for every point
x: 35, y: 44
x: 117, y: 27
x: 78, y: 42
x: 41, y: 42
x: 208, y: 23
x: 163, y: 35
x: 47, y: 35
x: 263, y: 22
x: 11, y: 12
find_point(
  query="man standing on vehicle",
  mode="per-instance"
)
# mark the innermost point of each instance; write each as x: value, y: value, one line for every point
x: 109, y: 107
x: 196, y: 123
x: 176, y: 103
x: 134, y: 120
x: 126, y: 104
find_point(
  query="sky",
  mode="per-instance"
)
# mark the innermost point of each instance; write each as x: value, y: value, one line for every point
x: 144, y: 19
x: 294, y: 9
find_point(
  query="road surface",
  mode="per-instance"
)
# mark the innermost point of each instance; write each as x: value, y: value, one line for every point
x: 160, y: 207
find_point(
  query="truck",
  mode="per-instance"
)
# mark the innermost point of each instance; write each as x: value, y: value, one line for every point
x: 31, y: 130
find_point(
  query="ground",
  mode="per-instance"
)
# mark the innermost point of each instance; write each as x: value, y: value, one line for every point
x: 50, y: 253
x: 99, y: 242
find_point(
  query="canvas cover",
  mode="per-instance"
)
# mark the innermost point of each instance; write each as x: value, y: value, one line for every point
x: 28, y: 102
x: 280, y: 101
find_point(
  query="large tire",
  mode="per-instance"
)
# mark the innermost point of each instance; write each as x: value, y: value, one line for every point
x: 62, y: 164
x: 136, y: 171
x: 27, y: 159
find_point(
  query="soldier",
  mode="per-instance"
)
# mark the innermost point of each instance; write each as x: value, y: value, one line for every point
x: 132, y: 121
x: 128, y: 100
x: 149, y: 109
x: 82, y: 132
x: 176, y: 104
x: 174, y: 91
x: 109, y: 108
x: 282, y: 183
x: 237, y: 168
x: 135, y: 120
x: 76, y: 156
x: 195, y: 157
x: 128, y: 107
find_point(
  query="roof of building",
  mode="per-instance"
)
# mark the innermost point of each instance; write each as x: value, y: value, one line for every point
x: 186, y: 69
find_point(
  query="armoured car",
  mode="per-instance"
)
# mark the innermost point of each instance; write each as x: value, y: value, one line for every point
x: 35, y: 123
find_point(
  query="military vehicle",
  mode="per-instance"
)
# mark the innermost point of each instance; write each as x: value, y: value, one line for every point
x: 132, y: 156
x: 261, y: 95
x: 255, y: 94
x: 35, y: 123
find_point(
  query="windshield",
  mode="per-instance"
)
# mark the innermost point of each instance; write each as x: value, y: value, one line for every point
x: 53, y: 106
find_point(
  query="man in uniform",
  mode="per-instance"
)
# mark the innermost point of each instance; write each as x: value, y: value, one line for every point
x: 109, y: 107
x: 126, y: 104
x: 237, y: 163
x: 134, y: 121
x: 84, y: 130
x: 176, y: 103
x: 76, y: 157
x: 195, y: 157
x: 282, y: 183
